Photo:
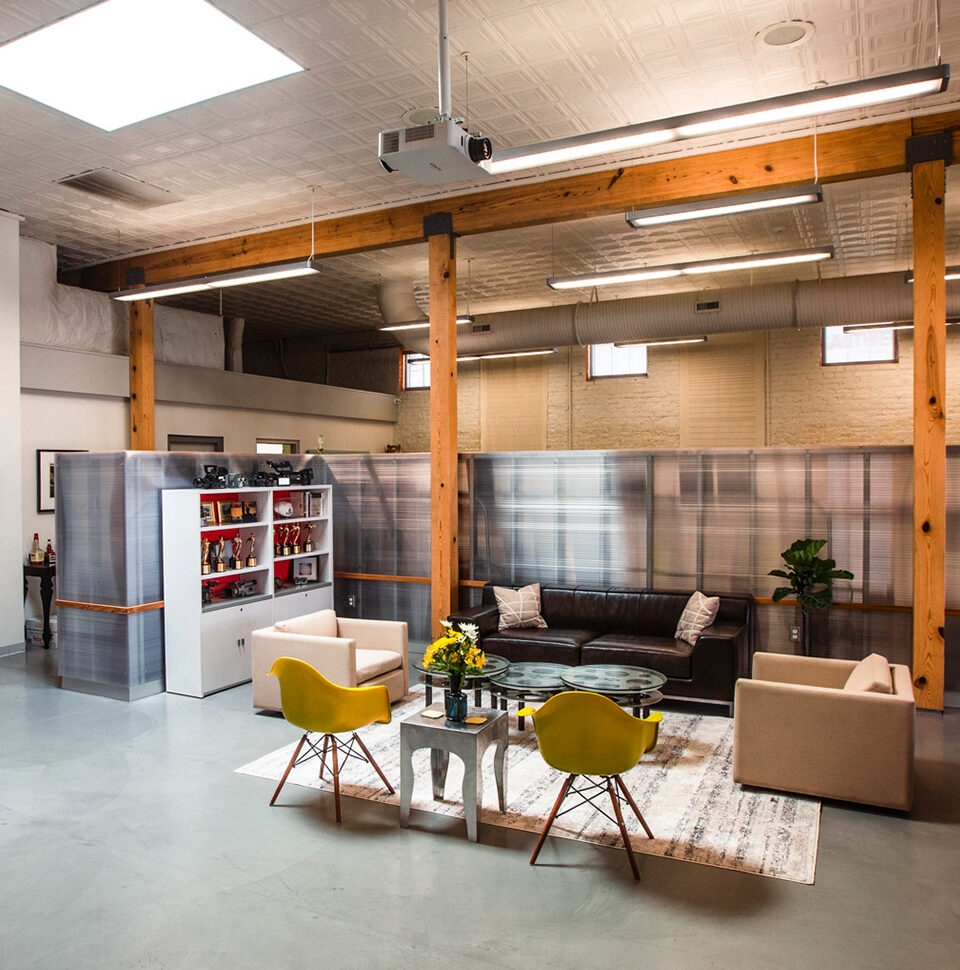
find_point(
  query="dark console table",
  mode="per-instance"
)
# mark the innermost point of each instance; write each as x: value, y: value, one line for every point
x: 46, y: 574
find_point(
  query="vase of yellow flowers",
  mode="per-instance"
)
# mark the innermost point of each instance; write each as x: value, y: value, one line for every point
x: 455, y: 654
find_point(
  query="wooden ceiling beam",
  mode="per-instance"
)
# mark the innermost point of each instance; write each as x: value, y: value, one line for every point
x: 854, y: 153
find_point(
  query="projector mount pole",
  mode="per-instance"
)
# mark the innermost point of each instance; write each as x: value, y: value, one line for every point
x: 443, y: 62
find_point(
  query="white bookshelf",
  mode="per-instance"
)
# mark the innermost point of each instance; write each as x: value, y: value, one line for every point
x: 207, y: 645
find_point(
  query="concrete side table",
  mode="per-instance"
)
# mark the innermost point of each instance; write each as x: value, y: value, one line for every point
x: 468, y: 742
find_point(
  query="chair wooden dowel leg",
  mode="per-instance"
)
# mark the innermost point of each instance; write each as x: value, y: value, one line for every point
x: 553, y: 814
x: 633, y: 805
x: 369, y: 757
x: 323, y: 755
x: 289, y: 766
x: 336, y: 775
x: 623, y: 829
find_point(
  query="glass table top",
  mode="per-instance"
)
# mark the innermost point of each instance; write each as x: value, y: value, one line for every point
x: 532, y: 676
x: 494, y: 665
x: 613, y: 678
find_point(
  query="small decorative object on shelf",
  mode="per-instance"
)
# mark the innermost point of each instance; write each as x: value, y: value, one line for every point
x: 205, y: 566
x: 249, y: 511
x: 287, y: 547
x: 455, y: 653
x: 295, y: 544
x: 240, y: 588
x: 251, y: 559
x: 214, y: 476
x: 206, y: 594
x: 308, y: 541
x: 35, y: 556
x: 216, y: 550
x: 49, y: 556
x: 283, y: 510
x: 235, y: 561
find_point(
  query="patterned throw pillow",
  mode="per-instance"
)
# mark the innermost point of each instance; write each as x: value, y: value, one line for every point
x: 697, y: 615
x: 519, y: 607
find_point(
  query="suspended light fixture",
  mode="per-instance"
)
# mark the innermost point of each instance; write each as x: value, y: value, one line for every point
x: 690, y: 269
x: 657, y: 342
x: 789, y: 107
x: 687, y: 211
x: 511, y: 353
x: 262, y: 274
x: 423, y: 324
x: 952, y: 273
x: 900, y: 325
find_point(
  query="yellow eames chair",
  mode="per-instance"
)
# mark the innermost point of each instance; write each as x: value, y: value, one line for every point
x: 587, y: 734
x: 313, y: 703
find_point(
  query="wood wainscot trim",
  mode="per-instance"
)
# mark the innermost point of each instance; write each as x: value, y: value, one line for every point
x: 108, y: 608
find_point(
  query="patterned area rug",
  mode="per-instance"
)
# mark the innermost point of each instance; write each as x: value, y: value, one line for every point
x: 684, y: 788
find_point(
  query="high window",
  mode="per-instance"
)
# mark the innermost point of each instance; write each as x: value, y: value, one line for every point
x: 414, y: 371
x: 608, y: 360
x: 857, y: 346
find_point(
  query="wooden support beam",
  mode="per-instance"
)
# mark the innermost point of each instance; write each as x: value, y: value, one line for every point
x: 862, y: 152
x: 141, y: 376
x: 929, y: 433
x: 444, y: 549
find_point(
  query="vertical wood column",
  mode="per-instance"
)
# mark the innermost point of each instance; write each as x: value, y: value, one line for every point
x: 141, y: 376
x: 929, y: 439
x: 444, y: 549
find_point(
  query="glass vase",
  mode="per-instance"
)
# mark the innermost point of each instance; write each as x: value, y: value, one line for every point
x: 454, y: 700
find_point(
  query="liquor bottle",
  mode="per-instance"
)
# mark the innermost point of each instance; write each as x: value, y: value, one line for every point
x: 49, y: 557
x: 36, y: 553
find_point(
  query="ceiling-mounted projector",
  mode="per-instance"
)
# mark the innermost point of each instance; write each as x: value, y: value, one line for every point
x: 443, y: 151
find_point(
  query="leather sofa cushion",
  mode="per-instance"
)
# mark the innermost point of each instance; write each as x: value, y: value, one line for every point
x: 663, y: 654
x: 659, y: 613
x: 551, y: 645
x: 571, y: 608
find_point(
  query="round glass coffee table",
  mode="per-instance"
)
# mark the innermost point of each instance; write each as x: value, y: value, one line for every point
x: 530, y: 680
x: 471, y: 681
x: 636, y: 687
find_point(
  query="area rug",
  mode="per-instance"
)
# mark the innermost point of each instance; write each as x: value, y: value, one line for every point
x: 684, y: 787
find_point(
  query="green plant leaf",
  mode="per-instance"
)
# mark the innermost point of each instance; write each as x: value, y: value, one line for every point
x: 780, y: 592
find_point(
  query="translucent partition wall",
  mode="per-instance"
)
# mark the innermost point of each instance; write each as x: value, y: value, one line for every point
x: 714, y: 520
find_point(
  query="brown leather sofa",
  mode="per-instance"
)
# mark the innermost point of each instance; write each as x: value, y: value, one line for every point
x: 623, y: 625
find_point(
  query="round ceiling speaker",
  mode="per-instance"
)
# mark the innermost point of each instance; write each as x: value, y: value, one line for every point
x: 787, y: 33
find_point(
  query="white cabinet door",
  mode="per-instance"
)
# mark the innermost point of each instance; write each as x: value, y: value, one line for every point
x: 220, y: 650
x: 297, y: 604
x: 250, y: 617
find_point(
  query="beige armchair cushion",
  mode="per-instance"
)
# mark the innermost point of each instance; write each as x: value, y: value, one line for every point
x: 871, y: 674
x: 797, y: 729
x: 323, y: 623
x: 370, y: 663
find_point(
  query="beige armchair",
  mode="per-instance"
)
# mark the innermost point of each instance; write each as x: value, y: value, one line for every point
x: 349, y: 651
x: 797, y: 729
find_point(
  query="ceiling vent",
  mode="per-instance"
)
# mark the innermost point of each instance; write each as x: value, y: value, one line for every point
x: 707, y: 306
x: 119, y: 188
x: 481, y: 328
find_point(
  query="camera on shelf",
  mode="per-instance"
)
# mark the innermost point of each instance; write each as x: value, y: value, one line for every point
x: 241, y: 587
x: 214, y: 476
x: 282, y: 474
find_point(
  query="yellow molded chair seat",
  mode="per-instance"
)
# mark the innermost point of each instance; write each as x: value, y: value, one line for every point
x: 313, y: 703
x: 586, y: 734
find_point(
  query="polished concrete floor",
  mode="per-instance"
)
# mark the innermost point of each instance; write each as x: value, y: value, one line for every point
x: 126, y: 840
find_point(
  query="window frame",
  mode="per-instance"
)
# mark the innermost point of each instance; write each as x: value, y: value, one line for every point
x: 404, y: 355
x: 288, y: 446
x: 636, y: 375
x: 853, y: 363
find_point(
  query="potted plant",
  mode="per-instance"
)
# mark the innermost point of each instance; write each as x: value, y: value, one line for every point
x: 811, y: 581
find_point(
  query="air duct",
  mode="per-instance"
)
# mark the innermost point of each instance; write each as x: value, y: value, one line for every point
x: 774, y: 306
x: 397, y: 302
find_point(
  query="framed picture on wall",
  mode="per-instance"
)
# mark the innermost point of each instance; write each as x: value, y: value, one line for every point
x: 46, y: 492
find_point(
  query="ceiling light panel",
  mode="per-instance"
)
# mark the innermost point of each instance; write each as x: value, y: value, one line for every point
x: 709, y: 208
x: 122, y: 61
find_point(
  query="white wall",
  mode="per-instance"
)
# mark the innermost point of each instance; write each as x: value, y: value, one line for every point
x: 12, y: 551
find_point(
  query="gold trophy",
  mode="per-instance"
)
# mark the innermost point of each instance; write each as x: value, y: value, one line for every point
x: 235, y: 561
x: 205, y: 555
x: 251, y: 559
x: 216, y: 548
x: 278, y: 540
x: 287, y: 548
x: 296, y: 539
x: 307, y: 540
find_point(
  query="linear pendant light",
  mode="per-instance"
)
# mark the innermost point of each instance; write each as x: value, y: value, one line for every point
x: 661, y: 342
x: 422, y: 324
x: 262, y: 274
x: 690, y: 269
x: 900, y: 325
x: 511, y: 353
x: 789, y: 107
x: 708, y: 208
x: 952, y: 273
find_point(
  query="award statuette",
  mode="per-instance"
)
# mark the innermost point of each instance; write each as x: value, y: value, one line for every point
x: 216, y: 548
x: 205, y: 555
x: 251, y: 559
x: 307, y: 540
x: 235, y: 561
x: 287, y: 548
x: 296, y: 539
x: 278, y: 540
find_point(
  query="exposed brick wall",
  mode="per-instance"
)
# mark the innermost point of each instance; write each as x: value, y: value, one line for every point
x: 807, y: 405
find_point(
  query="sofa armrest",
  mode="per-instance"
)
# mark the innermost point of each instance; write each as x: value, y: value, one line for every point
x: 486, y: 617
x: 824, y: 741
x: 787, y: 668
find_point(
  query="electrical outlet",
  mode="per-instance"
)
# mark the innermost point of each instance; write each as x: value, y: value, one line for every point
x: 352, y: 601
x: 795, y: 633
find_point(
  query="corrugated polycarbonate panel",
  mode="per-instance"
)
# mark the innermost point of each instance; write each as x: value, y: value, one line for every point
x: 676, y: 491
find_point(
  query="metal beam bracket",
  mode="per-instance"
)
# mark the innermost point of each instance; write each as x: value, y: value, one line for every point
x: 929, y: 148
x: 135, y: 276
x: 438, y: 224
